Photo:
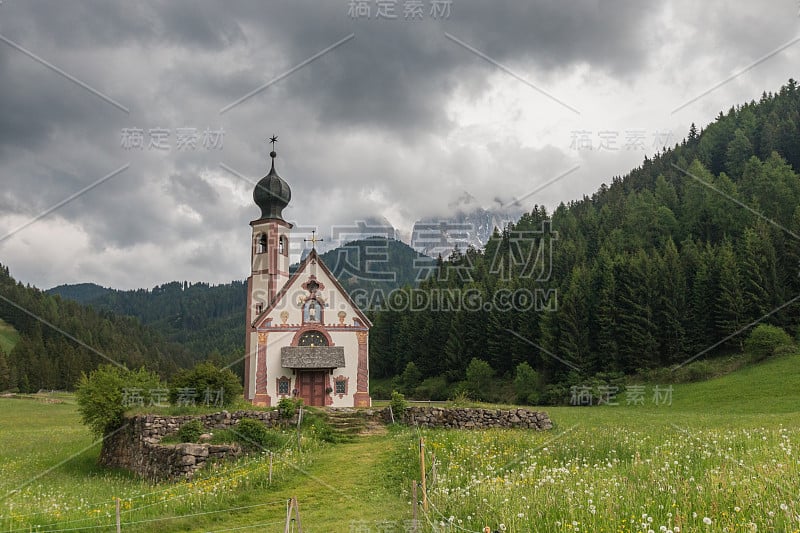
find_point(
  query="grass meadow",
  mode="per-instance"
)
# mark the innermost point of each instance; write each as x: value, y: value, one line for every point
x: 720, y: 455
x: 723, y: 455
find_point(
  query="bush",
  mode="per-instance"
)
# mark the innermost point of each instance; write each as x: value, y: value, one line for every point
x: 526, y: 385
x: 398, y: 404
x: 380, y: 392
x: 223, y: 436
x: 108, y: 391
x: 253, y: 435
x: 191, y: 431
x: 785, y: 349
x: 764, y: 339
x: 695, y: 371
x: 555, y: 394
x: 479, y: 380
x: 433, y: 388
x: 287, y: 407
x: 461, y: 398
x: 410, y: 378
x: 207, y: 384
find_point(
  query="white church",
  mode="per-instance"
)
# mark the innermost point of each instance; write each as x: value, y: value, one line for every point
x: 305, y: 336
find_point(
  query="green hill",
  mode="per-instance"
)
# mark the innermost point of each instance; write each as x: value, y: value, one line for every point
x: 772, y: 386
x: 82, y: 293
x: 56, y: 339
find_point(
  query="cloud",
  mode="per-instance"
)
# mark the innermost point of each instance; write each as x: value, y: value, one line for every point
x: 397, y: 122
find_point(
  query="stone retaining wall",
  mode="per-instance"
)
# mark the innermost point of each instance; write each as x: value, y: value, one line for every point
x: 136, y: 447
x: 475, y: 418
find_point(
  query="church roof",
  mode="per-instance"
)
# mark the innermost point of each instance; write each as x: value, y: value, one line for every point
x: 272, y: 193
x: 312, y: 357
x: 313, y: 256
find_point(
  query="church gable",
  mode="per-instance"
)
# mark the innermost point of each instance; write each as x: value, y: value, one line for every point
x: 312, y: 295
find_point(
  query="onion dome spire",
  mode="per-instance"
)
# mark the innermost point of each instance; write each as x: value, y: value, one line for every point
x: 272, y: 194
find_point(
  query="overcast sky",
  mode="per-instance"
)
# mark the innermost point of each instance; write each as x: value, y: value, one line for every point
x: 376, y: 116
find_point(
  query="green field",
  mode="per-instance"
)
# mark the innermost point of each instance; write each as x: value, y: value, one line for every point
x: 723, y: 450
x: 8, y: 336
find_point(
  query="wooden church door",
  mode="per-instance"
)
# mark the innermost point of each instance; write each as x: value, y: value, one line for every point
x: 312, y: 387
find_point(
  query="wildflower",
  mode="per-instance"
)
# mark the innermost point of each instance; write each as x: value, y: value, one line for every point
x: 707, y: 521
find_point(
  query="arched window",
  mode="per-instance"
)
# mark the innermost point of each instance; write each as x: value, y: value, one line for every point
x: 283, y: 245
x: 262, y: 243
x: 312, y: 311
x: 312, y: 338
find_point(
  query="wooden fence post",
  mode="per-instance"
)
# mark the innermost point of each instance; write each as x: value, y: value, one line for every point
x: 414, y: 504
x: 270, y: 468
x: 297, y: 514
x: 299, y: 420
x: 119, y: 524
x: 422, y: 471
x: 293, y: 506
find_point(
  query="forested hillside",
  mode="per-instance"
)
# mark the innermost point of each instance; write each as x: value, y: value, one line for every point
x: 59, y: 339
x: 208, y: 320
x: 203, y: 318
x: 656, y: 268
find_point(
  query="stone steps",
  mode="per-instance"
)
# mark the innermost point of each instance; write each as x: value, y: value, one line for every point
x: 349, y: 423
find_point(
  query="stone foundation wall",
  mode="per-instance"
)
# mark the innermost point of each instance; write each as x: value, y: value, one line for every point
x: 136, y: 447
x: 474, y: 418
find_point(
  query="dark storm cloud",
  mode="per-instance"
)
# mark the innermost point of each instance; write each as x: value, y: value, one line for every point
x: 399, y: 75
x: 394, y: 75
x: 367, y: 120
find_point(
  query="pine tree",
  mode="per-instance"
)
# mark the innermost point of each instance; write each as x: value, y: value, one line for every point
x: 573, y: 315
x: 701, y: 330
x: 636, y: 320
x: 605, y: 313
x: 672, y: 307
x: 739, y: 150
x: 730, y: 301
x: 758, y: 272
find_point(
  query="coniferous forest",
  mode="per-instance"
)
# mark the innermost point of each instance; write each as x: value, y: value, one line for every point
x: 59, y: 339
x: 658, y: 268
x: 669, y: 263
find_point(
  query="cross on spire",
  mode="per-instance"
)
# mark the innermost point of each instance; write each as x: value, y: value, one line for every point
x: 313, y: 240
x: 273, y: 140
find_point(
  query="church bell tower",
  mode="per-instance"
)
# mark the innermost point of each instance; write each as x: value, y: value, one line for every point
x: 269, y: 255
